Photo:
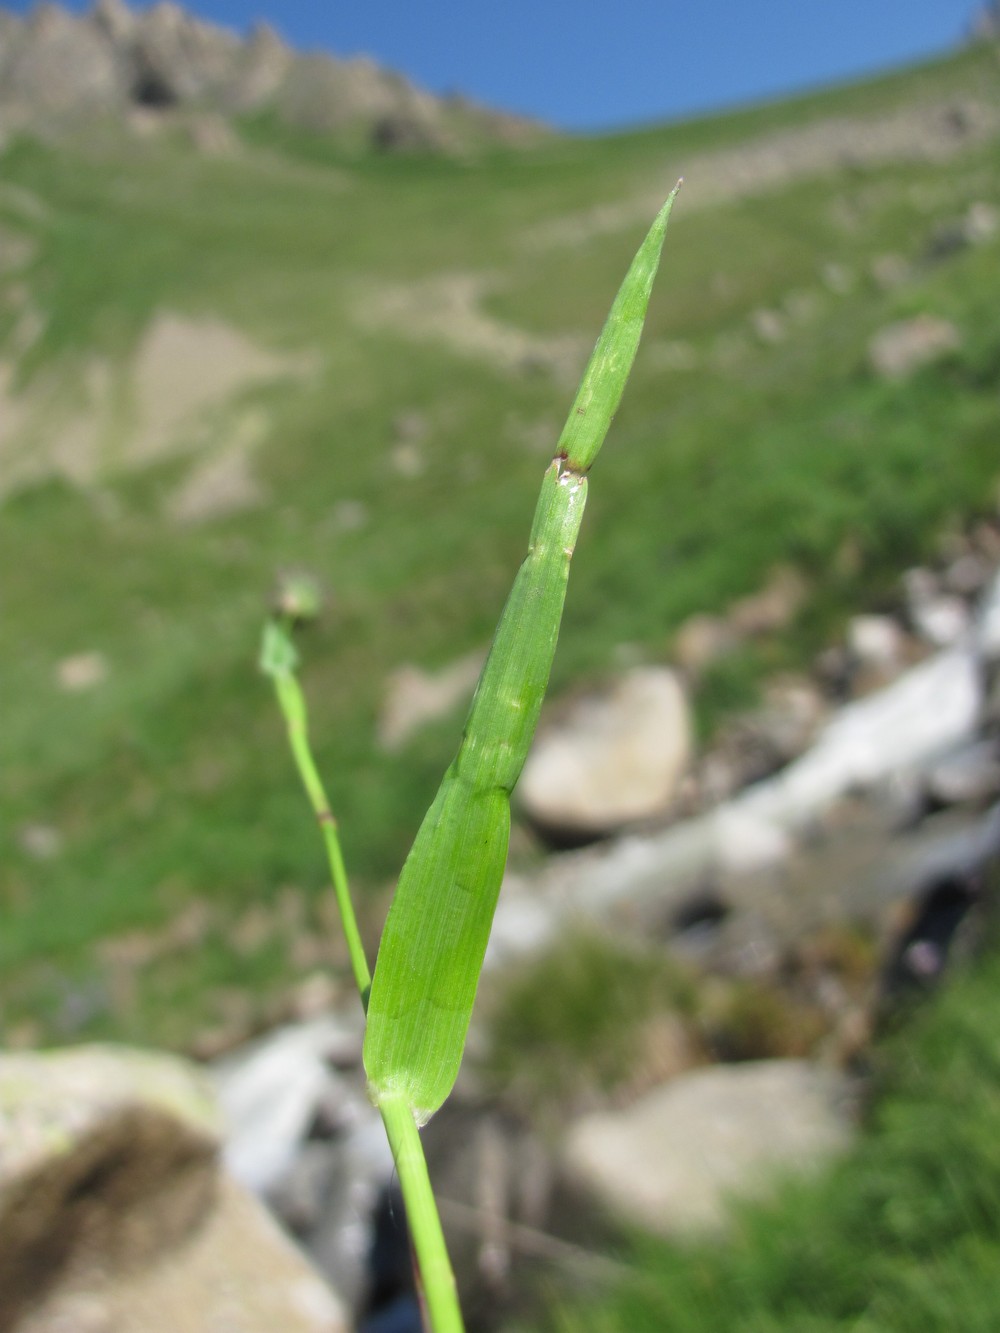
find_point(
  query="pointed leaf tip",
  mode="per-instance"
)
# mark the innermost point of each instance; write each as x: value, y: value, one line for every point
x: 604, y: 379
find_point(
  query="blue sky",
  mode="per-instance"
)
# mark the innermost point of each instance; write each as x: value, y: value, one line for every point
x: 592, y: 64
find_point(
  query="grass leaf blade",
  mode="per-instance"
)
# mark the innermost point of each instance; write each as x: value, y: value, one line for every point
x: 435, y: 936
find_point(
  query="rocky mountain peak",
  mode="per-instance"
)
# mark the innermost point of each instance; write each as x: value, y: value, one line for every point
x: 57, y: 69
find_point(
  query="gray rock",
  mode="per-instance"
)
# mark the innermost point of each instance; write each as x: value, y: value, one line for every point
x: 898, y: 349
x: 259, y: 71
x: 302, y: 1134
x: 890, y: 271
x: 236, y: 1270
x: 977, y: 225
x: 114, y: 19
x: 769, y: 325
x: 272, y: 1092
x: 114, y: 1214
x: 672, y: 1161
x: 59, y: 65
x: 616, y: 757
x: 970, y: 775
x: 178, y: 58
x: 57, y: 69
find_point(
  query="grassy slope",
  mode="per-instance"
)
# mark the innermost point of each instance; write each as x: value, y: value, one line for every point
x: 169, y: 784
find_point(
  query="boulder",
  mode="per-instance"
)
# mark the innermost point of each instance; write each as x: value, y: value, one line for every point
x: 115, y: 1216
x: 673, y: 1159
x: 615, y: 758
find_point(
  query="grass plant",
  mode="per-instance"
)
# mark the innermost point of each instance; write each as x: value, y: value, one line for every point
x: 419, y: 1003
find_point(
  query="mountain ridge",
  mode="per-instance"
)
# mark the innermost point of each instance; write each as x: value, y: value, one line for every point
x: 58, y: 70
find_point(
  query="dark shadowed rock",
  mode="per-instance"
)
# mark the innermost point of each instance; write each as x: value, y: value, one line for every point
x: 179, y: 59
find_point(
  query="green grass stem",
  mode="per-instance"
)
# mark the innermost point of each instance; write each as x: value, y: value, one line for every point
x: 278, y: 660
x: 437, y: 1279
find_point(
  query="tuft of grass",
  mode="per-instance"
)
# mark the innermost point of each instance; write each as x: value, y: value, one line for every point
x: 572, y: 1022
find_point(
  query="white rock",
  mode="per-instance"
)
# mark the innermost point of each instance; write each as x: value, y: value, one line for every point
x: 942, y: 621
x: 923, y: 713
x: 523, y: 924
x: 271, y: 1092
x: 747, y: 841
x: 672, y: 1160
x: 617, y: 758
x: 81, y: 671
x: 876, y: 640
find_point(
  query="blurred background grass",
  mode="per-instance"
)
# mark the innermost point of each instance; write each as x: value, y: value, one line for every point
x: 166, y: 786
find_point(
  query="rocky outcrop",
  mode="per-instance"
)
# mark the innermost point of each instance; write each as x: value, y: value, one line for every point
x: 56, y: 68
x: 115, y: 1216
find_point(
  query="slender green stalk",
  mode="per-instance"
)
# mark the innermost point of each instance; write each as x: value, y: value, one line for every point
x: 278, y: 660
x: 434, y: 1266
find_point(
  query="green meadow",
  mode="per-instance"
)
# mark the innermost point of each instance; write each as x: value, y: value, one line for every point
x: 424, y: 321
